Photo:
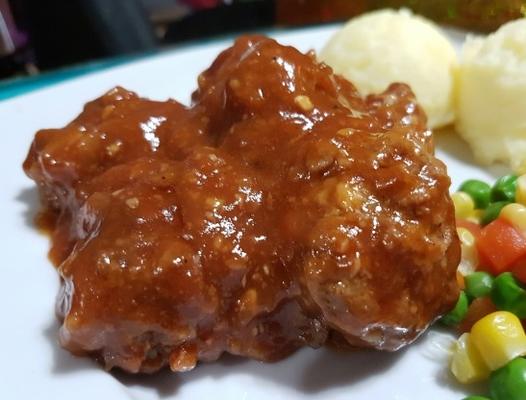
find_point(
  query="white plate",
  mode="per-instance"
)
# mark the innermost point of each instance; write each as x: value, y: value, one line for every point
x: 35, y: 367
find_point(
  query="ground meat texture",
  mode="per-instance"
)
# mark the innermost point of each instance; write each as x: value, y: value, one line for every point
x: 280, y: 210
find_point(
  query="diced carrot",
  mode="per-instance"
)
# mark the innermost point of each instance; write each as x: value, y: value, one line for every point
x: 501, y: 245
x: 479, y: 308
x: 485, y: 263
x: 519, y: 269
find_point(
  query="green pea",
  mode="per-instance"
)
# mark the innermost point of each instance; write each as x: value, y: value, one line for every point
x: 509, y: 295
x: 504, y: 189
x: 478, y: 284
x: 479, y: 191
x: 509, y: 382
x: 492, y: 212
x: 457, y: 314
x: 476, y: 398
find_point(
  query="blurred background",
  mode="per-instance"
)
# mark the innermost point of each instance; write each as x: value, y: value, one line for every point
x: 45, y: 35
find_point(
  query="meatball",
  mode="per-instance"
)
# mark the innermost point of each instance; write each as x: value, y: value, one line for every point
x: 280, y: 210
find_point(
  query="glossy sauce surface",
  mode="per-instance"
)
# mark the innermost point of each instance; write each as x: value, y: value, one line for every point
x: 280, y: 210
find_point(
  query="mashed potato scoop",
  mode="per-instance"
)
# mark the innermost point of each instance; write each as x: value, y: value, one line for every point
x: 386, y: 46
x: 491, y: 96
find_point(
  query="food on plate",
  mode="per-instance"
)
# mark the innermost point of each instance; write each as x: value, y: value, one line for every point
x: 467, y: 364
x: 509, y: 383
x: 385, y: 46
x: 484, y: 93
x: 281, y: 209
x: 491, y: 95
x: 491, y: 309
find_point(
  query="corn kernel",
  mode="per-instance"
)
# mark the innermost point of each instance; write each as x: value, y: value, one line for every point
x: 499, y: 338
x: 469, y: 259
x: 476, y: 216
x: 515, y: 214
x: 464, y: 205
x: 467, y: 364
x: 520, y: 194
x: 466, y: 237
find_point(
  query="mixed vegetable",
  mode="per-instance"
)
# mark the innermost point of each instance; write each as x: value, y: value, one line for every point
x: 491, y: 309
